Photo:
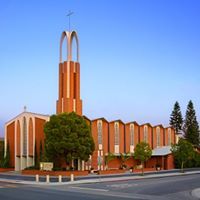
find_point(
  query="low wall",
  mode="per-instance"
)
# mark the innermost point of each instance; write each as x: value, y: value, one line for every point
x: 145, y: 170
x: 6, y: 169
x: 112, y: 171
x: 54, y: 173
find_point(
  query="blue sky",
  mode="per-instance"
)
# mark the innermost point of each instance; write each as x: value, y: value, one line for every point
x: 137, y: 56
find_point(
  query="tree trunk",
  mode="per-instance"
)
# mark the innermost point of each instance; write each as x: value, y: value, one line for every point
x: 142, y: 168
x: 182, y: 164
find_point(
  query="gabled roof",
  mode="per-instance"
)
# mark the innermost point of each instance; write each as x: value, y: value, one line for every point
x: 162, y: 151
x: 101, y: 118
x: 28, y: 113
x: 132, y: 122
x: 168, y: 127
x: 86, y: 118
x: 118, y: 120
x: 159, y: 125
x: 148, y: 124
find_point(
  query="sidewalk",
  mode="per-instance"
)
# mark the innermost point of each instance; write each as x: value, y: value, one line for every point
x: 99, y: 179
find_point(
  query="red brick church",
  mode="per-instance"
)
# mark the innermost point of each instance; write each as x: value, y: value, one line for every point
x: 24, y: 133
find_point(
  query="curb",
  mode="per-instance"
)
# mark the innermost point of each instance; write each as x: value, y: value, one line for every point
x: 100, y: 180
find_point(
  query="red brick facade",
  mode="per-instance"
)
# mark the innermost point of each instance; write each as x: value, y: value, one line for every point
x: 114, y: 137
x: 22, y: 134
x: 155, y: 140
x: 11, y: 142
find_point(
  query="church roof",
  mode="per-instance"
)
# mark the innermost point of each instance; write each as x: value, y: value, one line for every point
x: 101, y: 118
x: 148, y: 124
x: 159, y: 125
x: 118, y: 120
x: 132, y: 122
x: 30, y: 114
x: 162, y: 151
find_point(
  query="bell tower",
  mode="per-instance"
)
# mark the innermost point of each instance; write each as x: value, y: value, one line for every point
x: 69, y: 77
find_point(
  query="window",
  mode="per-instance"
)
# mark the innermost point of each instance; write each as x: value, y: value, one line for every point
x: 116, y: 133
x: 132, y: 134
x: 157, y: 136
x: 99, y: 129
x: 24, y: 137
x: 145, y: 133
x: 169, y: 136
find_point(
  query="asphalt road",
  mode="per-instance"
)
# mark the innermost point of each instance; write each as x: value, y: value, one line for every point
x: 168, y: 188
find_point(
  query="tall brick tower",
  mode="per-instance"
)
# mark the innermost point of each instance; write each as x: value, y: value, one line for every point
x: 69, y: 77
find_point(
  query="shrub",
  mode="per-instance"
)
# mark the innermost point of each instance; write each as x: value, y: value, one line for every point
x: 57, y: 169
x: 32, y: 168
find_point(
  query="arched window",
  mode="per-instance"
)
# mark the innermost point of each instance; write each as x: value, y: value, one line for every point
x: 131, y: 134
x: 99, y: 129
x: 169, y: 137
x: 24, y: 137
x: 18, y: 139
x: 157, y: 136
x: 30, y: 137
x: 146, y: 133
x: 116, y: 133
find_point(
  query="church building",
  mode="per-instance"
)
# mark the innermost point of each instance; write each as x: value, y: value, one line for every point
x: 24, y: 134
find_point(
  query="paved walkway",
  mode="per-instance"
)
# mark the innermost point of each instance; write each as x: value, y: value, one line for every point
x: 98, y: 179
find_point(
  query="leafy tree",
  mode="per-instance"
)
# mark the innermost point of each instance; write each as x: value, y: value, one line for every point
x: 123, y: 158
x: 143, y: 153
x: 36, y: 160
x: 67, y: 137
x: 191, y: 126
x: 183, y: 151
x: 193, y: 162
x: 6, y: 160
x: 176, y: 119
x: 108, y: 158
x: 41, y: 152
x: 1, y: 151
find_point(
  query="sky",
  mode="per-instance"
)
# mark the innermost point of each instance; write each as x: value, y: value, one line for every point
x: 137, y: 57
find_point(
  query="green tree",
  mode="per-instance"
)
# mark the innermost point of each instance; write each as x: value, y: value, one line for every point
x: 67, y: 137
x: 143, y: 153
x: 191, y: 126
x: 1, y: 151
x: 6, y: 160
x: 41, y: 152
x: 183, y: 151
x: 123, y: 158
x: 176, y: 119
x: 36, y: 160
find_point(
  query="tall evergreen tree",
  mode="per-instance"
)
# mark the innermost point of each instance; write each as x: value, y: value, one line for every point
x: 176, y: 119
x: 191, y: 126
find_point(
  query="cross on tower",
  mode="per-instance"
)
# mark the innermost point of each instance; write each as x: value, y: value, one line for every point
x: 68, y: 15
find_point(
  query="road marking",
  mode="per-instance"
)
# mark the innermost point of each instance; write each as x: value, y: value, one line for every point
x: 11, y: 186
x: 84, y: 188
x: 126, y: 185
x: 8, y: 186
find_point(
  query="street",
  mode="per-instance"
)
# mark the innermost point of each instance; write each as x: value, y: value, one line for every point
x: 171, y: 188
